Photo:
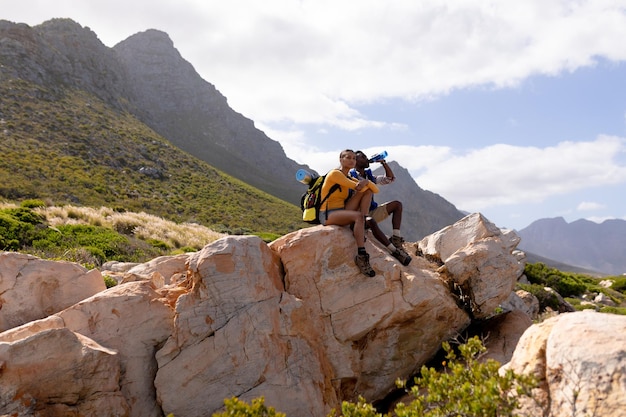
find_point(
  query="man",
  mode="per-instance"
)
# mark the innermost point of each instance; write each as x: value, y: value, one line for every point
x: 379, y: 212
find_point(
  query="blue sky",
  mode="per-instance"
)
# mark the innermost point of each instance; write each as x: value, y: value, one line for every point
x: 513, y: 109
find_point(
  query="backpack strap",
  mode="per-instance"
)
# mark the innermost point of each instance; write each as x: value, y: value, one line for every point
x: 333, y: 188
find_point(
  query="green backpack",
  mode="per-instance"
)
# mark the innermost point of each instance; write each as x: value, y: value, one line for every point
x: 311, y: 201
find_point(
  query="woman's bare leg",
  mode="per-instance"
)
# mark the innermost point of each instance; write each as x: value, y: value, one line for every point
x: 346, y: 217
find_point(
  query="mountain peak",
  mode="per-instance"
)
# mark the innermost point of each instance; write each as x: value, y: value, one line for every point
x: 151, y: 38
x: 582, y: 243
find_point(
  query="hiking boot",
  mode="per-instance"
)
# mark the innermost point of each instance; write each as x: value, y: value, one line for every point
x: 402, y: 256
x: 363, y: 262
x: 398, y: 241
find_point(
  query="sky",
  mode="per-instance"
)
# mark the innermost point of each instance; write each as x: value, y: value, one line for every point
x: 516, y: 110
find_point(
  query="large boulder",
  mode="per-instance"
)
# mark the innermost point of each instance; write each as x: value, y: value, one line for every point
x: 580, y: 362
x: 56, y: 372
x: 478, y: 260
x: 370, y: 331
x: 235, y: 335
x: 135, y: 320
x: 33, y: 288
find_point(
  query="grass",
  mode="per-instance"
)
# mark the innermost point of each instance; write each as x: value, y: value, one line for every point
x: 66, y: 146
x: 93, y: 236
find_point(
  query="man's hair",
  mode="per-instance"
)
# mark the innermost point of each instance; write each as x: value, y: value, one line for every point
x: 361, y: 153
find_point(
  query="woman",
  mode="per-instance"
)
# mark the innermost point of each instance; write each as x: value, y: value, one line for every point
x: 341, y: 209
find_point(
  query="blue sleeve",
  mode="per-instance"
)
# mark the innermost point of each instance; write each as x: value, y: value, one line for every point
x: 370, y: 176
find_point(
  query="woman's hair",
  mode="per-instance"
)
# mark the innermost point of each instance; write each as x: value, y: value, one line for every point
x: 345, y: 151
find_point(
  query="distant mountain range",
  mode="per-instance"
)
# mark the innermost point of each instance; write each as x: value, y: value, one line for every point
x: 585, y: 244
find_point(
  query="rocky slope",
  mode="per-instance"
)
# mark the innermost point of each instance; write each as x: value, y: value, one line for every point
x: 172, y: 98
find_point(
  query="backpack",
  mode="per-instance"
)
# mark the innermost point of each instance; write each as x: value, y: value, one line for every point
x: 311, y: 201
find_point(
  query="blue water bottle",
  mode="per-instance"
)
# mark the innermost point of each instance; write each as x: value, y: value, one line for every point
x: 303, y: 176
x: 378, y: 157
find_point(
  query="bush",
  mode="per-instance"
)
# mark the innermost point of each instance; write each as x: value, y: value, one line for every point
x: 613, y: 310
x: 104, y: 243
x: 360, y: 409
x: 619, y: 284
x: 464, y: 387
x: 566, y: 284
x: 546, y: 298
x: 32, y: 204
x: 237, y: 408
x: 17, y: 227
x: 109, y: 281
x: 159, y: 244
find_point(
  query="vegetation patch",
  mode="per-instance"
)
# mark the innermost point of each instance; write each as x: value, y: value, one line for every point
x: 575, y: 288
x: 73, y: 148
x: 93, y: 236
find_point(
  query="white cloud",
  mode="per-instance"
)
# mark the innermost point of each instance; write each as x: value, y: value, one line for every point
x: 315, y: 61
x: 589, y: 206
x: 505, y: 174
x: 330, y: 56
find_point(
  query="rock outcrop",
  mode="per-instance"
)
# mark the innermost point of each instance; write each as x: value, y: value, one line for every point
x: 32, y: 288
x: 293, y: 321
x: 580, y: 361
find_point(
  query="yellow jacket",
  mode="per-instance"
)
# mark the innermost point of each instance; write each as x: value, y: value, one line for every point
x: 337, y: 199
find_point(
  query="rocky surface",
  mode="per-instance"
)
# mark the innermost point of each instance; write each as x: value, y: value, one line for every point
x: 580, y: 361
x: 32, y: 288
x: 293, y: 321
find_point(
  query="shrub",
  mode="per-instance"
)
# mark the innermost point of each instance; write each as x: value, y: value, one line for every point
x: 109, y: 282
x: 32, y: 203
x: 546, y: 298
x: 613, y: 310
x: 159, y: 244
x: 564, y: 283
x: 568, y: 286
x: 268, y: 237
x: 25, y: 215
x: 103, y: 241
x: 360, y: 409
x: 466, y: 387
x: 184, y: 249
x: 237, y: 408
x: 17, y: 227
x: 619, y: 284
x: 89, y: 256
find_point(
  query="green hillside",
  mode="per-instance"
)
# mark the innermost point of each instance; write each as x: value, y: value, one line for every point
x: 68, y: 147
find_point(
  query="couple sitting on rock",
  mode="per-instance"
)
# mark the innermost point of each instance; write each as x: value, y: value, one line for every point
x: 353, y: 205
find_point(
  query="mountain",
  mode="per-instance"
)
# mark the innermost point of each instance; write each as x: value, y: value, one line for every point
x: 172, y: 98
x: 599, y: 247
x: 146, y: 76
x: 69, y: 134
x: 136, y: 127
x: 424, y: 212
